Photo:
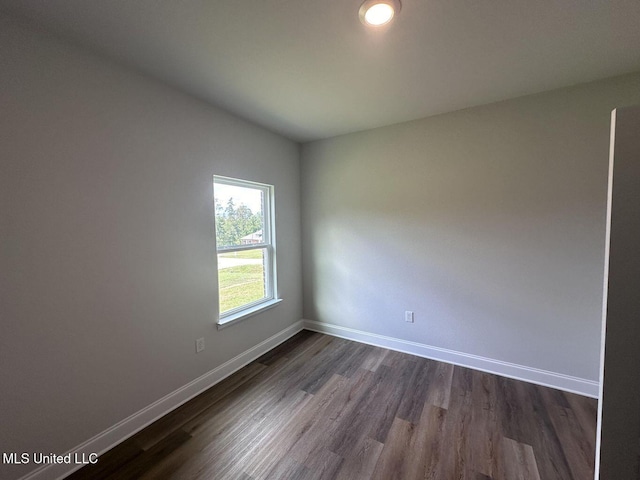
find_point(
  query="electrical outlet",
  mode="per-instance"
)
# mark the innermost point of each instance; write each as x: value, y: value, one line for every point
x: 199, y: 345
x: 408, y: 316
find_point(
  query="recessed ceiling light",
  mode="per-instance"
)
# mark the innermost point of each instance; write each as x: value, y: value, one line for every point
x: 378, y: 12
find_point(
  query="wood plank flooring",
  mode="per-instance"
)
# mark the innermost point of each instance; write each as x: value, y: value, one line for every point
x: 319, y: 407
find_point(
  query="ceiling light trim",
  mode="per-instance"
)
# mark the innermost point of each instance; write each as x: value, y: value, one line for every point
x: 394, y: 5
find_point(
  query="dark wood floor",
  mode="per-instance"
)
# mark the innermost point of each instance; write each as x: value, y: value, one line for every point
x: 320, y: 407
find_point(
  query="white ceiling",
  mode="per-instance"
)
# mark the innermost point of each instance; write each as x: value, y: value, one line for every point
x: 308, y: 69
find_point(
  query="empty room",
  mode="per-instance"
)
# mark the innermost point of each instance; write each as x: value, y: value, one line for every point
x: 278, y: 239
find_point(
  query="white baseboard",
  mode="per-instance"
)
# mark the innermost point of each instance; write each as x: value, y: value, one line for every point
x: 129, y: 426
x: 546, y: 378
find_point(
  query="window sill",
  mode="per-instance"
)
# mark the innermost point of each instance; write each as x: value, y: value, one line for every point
x: 249, y: 312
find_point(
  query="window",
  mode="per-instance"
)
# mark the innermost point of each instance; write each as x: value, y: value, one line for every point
x: 245, y: 247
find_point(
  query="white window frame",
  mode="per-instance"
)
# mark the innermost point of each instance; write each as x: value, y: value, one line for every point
x: 268, y: 244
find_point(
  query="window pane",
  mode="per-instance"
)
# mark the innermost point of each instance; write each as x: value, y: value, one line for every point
x: 241, y: 276
x: 239, y: 215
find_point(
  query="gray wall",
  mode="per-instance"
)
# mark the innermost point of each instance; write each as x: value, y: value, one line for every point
x: 108, y: 260
x: 489, y: 223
